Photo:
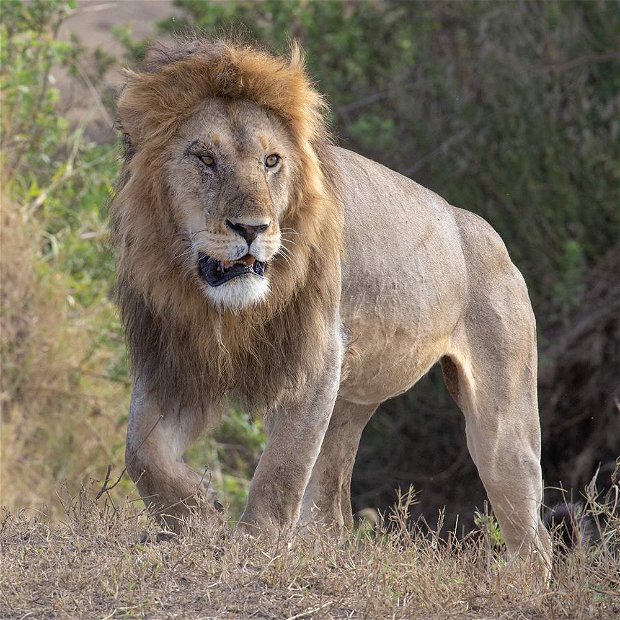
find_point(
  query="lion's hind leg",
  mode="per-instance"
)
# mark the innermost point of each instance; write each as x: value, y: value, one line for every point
x: 491, y: 373
x: 327, y: 498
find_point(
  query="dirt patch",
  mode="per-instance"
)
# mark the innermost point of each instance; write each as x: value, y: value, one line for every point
x: 93, y: 21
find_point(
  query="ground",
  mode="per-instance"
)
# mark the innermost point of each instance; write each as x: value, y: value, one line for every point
x: 106, y: 561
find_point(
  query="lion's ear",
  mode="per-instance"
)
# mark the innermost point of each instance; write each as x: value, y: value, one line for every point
x: 130, y: 115
x: 128, y: 149
x: 150, y: 104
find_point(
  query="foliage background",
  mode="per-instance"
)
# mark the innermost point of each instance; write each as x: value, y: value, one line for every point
x: 507, y: 109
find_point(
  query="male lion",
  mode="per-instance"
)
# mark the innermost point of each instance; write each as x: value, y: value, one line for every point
x: 257, y: 261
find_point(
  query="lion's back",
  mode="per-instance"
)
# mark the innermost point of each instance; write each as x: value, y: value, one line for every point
x: 399, y: 236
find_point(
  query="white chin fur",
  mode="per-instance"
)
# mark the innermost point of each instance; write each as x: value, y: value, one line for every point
x: 239, y: 292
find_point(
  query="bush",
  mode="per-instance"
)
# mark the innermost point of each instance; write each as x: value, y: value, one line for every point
x: 65, y: 378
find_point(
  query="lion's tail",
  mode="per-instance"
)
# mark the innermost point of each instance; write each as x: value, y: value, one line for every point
x: 573, y: 526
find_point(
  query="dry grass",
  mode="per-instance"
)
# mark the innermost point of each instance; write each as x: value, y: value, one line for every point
x: 93, y: 565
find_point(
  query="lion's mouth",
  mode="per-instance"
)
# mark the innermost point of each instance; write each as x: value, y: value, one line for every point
x: 216, y: 272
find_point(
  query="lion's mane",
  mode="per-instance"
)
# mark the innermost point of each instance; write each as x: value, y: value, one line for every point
x: 179, y: 343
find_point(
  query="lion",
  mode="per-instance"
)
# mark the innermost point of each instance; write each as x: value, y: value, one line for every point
x: 259, y: 262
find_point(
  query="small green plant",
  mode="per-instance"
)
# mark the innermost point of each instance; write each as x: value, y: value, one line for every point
x: 570, y: 285
x: 488, y: 525
x: 135, y: 51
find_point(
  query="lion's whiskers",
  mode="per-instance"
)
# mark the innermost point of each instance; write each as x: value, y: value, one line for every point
x: 194, y: 234
x: 284, y: 239
x: 286, y: 250
x: 186, y: 252
x: 282, y: 252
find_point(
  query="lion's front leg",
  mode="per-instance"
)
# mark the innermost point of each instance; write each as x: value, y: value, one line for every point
x: 156, y: 439
x: 295, y: 432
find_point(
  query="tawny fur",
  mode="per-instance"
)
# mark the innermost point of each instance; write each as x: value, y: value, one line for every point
x: 184, y: 345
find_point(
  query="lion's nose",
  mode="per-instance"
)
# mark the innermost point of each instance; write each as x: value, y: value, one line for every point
x: 249, y: 231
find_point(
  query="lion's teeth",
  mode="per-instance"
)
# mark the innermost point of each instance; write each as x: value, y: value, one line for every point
x: 247, y: 261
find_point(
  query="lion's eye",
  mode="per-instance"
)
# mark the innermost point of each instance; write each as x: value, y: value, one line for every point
x: 271, y: 161
x: 207, y: 160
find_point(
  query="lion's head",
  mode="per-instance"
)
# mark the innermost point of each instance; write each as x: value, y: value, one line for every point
x: 227, y: 222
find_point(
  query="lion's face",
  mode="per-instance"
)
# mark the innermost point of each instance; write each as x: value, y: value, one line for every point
x: 230, y: 171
